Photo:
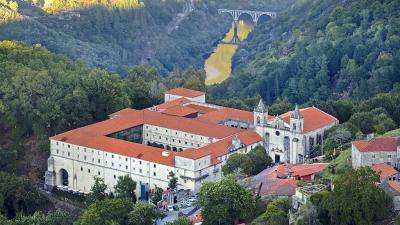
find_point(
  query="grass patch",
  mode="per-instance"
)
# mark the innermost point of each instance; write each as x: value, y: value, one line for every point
x: 339, y: 165
x: 392, y: 133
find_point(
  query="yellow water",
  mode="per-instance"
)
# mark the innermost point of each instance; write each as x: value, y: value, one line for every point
x: 218, y: 66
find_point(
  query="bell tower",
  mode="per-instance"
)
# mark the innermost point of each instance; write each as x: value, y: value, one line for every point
x: 296, y: 120
x: 260, y: 114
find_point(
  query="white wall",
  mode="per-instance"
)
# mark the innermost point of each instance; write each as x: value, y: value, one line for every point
x: 170, y: 97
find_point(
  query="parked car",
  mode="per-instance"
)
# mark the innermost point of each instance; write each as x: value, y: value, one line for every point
x: 170, y: 208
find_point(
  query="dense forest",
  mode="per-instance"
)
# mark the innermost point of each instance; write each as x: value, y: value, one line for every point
x: 320, y: 50
x: 164, y: 34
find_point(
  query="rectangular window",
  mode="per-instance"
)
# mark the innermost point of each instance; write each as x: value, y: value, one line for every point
x: 98, y: 160
x: 154, y: 173
x: 126, y: 167
x: 98, y: 173
x: 389, y: 156
x: 88, y: 170
x: 154, y: 165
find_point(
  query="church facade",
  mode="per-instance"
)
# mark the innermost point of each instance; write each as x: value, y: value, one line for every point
x: 185, y: 136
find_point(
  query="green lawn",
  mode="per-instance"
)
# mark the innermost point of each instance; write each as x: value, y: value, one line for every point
x: 341, y: 164
x: 393, y: 133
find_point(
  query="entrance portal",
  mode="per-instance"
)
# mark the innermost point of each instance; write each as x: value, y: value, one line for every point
x: 64, y: 177
x: 277, y: 158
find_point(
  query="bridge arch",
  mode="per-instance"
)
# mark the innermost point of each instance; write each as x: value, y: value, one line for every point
x: 255, y: 15
x: 264, y: 18
x: 246, y: 17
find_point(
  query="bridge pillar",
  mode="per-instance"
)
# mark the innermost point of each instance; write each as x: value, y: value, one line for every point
x: 235, y: 38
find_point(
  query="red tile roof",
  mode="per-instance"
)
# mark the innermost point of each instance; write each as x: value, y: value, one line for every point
x: 94, y: 135
x: 220, y: 148
x: 395, y: 185
x: 187, y: 125
x: 180, y: 111
x: 300, y: 170
x: 185, y: 92
x: 201, y: 109
x: 307, y: 169
x: 227, y: 113
x: 380, y: 144
x: 172, y: 103
x: 314, y: 118
x: 279, y: 187
x: 384, y: 170
x: 122, y: 112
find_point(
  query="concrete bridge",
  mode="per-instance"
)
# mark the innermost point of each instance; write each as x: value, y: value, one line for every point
x: 236, y: 13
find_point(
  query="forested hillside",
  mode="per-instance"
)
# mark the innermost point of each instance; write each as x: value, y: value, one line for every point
x: 320, y: 50
x: 123, y: 33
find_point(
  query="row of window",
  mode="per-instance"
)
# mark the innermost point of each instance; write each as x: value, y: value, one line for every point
x: 99, y: 161
x: 176, y: 133
x: 140, y: 171
x: 173, y: 140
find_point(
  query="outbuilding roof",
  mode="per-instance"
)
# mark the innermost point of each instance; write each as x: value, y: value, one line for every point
x: 380, y: 144
x: 384, y: 170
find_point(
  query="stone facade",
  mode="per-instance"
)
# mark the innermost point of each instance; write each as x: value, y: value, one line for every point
x: 375, y: 151
x: 286, y: 140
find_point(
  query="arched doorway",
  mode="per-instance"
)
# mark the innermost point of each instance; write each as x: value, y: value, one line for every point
x: 64, y: 177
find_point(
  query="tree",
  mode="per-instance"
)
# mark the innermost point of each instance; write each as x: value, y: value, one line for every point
x: 353, y: 192
x: 125, y: 188
x: 108, y: 211
x: 173, y: 181
x: 8, y: 160
x: 56, y: 217
x: 19, y: 196
x: 308, y: 215
x: 97, y: 192
x: 280, y: 106
x: 275, y: 214
x: 225, y: 202
x: 157, y: 195
x: 260, y: 159
x: 180, y: 221
x: 144, y: 214
x: 238, y: 162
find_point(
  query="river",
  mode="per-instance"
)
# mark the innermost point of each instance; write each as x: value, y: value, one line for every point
x: 218, y: 66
